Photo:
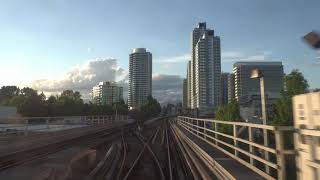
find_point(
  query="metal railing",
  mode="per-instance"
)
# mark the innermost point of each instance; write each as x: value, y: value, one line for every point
x: 248, y: 147
x: 38, y: 124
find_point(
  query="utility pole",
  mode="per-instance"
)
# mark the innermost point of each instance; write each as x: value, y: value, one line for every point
x: 257, y: 74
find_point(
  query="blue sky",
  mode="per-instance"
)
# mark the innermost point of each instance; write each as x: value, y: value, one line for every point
x: 44, y: 39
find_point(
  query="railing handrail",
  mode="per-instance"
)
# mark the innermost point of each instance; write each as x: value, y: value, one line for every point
x: 246, y: 124
x: 57, y: 117
x: 199, y: 127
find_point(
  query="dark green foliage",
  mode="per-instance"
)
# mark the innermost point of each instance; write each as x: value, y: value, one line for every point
x: 230, y: 112
x: 69, y: 103
x: 33, y: 105
x: 8, y: 92
x: 294, y: 84
x: 149, y: 110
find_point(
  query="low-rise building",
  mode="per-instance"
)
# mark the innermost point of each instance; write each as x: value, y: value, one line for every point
x: 107, y: 93
x: 306, y: 112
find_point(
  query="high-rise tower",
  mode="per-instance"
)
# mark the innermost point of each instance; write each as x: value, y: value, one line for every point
x: 205, y: 69
x: 140, y: 77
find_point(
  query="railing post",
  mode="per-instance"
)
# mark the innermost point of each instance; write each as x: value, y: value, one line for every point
x: 215, y: 134
x: 198, y: 127
x: 235, y: 143
x: 250, y: 146
x: 266, y: 153
x: 280, y: 155
x: 204, y: 129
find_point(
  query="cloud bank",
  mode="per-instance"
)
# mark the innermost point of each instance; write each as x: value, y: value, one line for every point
x: 82, y: 77
x: 167, y: 88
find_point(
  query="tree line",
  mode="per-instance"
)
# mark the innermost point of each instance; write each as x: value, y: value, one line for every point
x: 150, y: 109
x: 69, y: 103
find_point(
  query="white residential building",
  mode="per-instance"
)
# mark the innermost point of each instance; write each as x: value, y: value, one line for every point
x: 107, y: 93
x: 140, y: 77
x: 205, y: 70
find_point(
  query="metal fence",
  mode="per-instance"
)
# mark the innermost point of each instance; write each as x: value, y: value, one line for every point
x: 45, y: 124
x: 245, y: 142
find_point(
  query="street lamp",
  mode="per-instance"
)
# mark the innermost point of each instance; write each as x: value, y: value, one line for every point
x: 257, y: 74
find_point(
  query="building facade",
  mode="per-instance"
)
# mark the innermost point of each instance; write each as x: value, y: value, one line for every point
x: 224, y: 88
x: 107, y: 93
x: 140, y: 77
x: 231, y: 87
x: 185, y: 94
x: 189, y: 85
x: 306, y: 113
x: 205, y: 70
x: 245, y: 87
x: 247, y: 90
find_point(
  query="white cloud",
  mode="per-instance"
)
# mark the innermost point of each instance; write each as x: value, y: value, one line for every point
x: 167, y: 88
x: 174, y: 59
x: 231, y: 56
x: 225, y: 56
x: 82, y: 77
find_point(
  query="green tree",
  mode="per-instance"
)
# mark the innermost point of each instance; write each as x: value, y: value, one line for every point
x: 33, y: 105
x: 151, y: 108
x: 69, y: 103
x: 294, y: 84
x: 8, y: 92
x: 230, y: 112
x: 16, y: 100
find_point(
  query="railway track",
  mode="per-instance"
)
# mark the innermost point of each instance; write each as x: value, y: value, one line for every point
x: 19, y: 157
x: 158, y: 152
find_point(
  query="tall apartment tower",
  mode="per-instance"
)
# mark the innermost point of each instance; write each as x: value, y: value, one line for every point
x: 185, y: 94
x: 140, y: 77
x: 205, y: 69
x: 189, y: 85
x: 231, y: 87
x: 107, y: 93
x: 224, y: 88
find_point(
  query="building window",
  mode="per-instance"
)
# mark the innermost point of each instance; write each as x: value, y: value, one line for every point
x: 300, y: 106
x: 303, y: 139
x: 301, y: 113
x: 316, y: 112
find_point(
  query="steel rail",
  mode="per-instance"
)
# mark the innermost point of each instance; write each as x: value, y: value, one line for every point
x: 200, y: 168
x: 168, y: 154
x: 188, y: 160
x: 26, y: 155
x: 124, y: 148
x: 145, y: 146
x: 214, y: 166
